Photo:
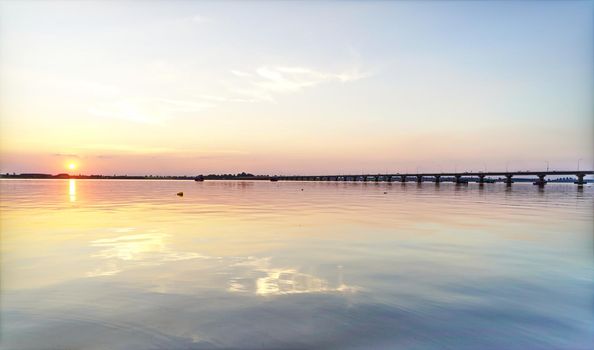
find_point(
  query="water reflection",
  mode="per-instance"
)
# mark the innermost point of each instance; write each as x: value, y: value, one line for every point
x: 282, y: 281
x: 269, y: 265
x: 132, y: 249
x: 72, y: 190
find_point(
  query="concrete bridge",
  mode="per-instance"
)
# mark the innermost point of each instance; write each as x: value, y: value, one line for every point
x: 457, y: 178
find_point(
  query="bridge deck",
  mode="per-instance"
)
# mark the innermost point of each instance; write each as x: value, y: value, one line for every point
x: 461, y: 177
x: 479, y: 173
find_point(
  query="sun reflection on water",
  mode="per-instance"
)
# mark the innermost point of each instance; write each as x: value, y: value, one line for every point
x: 72, y: 190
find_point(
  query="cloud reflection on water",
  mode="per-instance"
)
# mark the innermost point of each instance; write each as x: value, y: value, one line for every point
x: 135, y: 250
x: 281, y: 281
x: 141, y: 248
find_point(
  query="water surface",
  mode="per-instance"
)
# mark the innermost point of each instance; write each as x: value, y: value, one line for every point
x: 108, y: 264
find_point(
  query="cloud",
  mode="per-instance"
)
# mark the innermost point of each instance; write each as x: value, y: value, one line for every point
x: 65, y: 155
x: 261, y: 84
x: 265, y: 81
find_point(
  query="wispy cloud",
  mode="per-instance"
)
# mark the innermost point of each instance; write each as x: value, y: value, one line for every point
x: 126, y: 149
x: 265, y: 81
x: 261, y: 84
x: 62, y: 155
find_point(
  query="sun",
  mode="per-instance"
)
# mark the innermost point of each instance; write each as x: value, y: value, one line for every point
x: 71, y: 166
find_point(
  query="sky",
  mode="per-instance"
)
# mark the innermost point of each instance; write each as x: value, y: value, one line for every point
x: 197, y: 87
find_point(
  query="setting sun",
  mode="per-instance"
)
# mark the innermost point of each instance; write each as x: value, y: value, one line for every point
x: 71, y: 166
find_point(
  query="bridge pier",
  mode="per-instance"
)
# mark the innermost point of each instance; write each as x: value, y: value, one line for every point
x: 389, y: 178
x: 481, y: 179
x: 403, y: 179
x: 457, y: 179
x: 419, y: 179
x: 508, y: 179
x: 541, y: 180
x: 580, y: 180
x: 437, y: 179
x: 376, y: 178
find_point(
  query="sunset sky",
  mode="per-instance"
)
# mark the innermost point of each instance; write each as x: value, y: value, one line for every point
x: 190, y: 87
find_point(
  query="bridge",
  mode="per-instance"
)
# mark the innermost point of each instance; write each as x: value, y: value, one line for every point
x: 455, y: 177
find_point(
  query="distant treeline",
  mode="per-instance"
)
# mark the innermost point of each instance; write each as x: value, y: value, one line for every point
x: 239, y: 176
x: 68, y: 176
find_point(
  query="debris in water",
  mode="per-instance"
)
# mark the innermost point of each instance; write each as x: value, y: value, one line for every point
x: 181, y: 194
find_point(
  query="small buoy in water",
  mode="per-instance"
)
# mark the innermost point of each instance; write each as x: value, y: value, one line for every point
x: 181, y: 194
x: 302, y: 189
x: 385, y: 192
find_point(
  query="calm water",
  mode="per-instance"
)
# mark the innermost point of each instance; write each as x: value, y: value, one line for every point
x: 258, y: 265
